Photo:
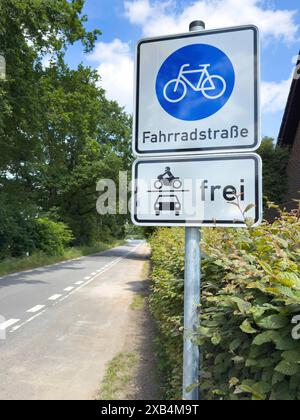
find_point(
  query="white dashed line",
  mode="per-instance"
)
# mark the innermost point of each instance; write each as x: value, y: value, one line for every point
x: 28, y: 320
x: 93, y: 274
x: 87, y: 278
x: 15, y: 328
x: 8, y: 323
x: 54, y: 297
x: 36, y: 309
x: 61, y: 298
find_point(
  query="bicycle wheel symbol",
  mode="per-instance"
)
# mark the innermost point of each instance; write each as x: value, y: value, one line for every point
x: 218, y: 83
x: 173, y: 94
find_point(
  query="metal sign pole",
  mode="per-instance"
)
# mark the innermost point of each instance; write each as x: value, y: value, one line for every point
x: 192, y: 290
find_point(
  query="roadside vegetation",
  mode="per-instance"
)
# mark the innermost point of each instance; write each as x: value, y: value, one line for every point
x: 275, y: 160
x: 119, y: 373
x: 138, y: 302
x: 42, y: 259
x: 59, y: 135
x: 250, y: 295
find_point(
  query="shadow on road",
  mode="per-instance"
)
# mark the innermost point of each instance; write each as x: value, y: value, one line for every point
x: 10, y: 281
x: 25, y: 277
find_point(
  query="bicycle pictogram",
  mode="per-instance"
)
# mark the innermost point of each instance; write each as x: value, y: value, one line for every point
x: 211, y: 86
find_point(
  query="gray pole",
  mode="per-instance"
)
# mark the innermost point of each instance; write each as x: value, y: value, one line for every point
x: 192, y: 290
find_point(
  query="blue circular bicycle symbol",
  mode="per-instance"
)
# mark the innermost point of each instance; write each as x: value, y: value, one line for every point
x: 195, y: 82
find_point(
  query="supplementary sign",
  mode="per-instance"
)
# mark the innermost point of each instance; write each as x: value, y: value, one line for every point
x: 215, y: 190
x: 197, y: 93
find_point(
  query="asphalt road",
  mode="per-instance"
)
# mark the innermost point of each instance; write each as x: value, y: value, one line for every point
x: 61, y: 324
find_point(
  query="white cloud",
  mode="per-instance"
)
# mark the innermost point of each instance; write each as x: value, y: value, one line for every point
x: 116, y: 70
x: 46, y: 61
x: 158, y: 17
x: 274, y: 96
x: 165, y: 17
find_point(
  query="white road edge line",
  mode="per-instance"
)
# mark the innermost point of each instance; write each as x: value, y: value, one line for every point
x: 28, y: 320
x: 54, y: 297
x: 36, y: 309
x: 8, y: 323
x: 116, y: 261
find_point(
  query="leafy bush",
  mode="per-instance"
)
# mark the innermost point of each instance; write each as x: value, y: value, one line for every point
x: 251, y: 292
x: 16, y: 230
x: 22, y: 233
x: 275, y: 160
x: 166, y: 301
x: 52, y: 237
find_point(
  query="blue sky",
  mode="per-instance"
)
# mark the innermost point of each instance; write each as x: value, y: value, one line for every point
x: 124, y: 22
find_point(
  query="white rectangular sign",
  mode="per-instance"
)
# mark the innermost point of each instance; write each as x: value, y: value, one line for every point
x: 213, y: 190
x: 197, y: 93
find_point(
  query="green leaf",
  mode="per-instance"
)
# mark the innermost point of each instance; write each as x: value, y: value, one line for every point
x: 258, y: 390
x: 242, y: 305
x: 266, y: 337
x: 288, y: 279
x: 277, y: 378
x: 248, y: 208
x: 286, y: 343
x: 287, y: 368
x: 247, y: 328
x: 266, y: 267
x: 292, y: 356
x: 216, y: 339
x: 273, y: 322
x: 235, y: 344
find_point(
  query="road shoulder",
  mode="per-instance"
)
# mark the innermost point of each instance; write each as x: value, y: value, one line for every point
x: 133, y: 374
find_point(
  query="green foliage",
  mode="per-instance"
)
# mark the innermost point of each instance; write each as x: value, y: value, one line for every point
x: 274, y: 170
x: 52, y: 237
x: 166, y: 301
x: 58, y: 133
x: 251, y: 292
x: 40, y: 259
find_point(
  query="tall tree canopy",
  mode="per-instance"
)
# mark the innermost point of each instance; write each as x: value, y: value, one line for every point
x: 58, y: 132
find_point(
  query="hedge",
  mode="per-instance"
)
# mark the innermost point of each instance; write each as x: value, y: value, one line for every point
x: 21, y: 236
x: 52, y: 237
x: 250, y: 296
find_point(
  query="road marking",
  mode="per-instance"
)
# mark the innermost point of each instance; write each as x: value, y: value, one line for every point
x: 8, y: 323
x: 15, y: 328
x: 79, y: 282
x: 29, y: 320
x: 54, y: 297
x: 36, y: 309
x: 62, y: 298
x: 106, y: 268
x: 93, y: 274
x: 87, y: 278
x: 68, y: 289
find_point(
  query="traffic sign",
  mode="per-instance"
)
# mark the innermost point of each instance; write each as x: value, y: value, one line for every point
x: 213, y: 190
x: 197, y: 93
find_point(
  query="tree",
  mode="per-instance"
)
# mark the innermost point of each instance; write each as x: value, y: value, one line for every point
x: 274, y: 170
x: 85, y: 138
x: 58, y: 133
x: 28, y: 31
